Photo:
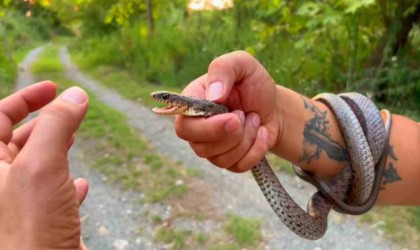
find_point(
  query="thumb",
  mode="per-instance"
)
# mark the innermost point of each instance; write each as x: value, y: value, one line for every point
x: 57, y: 122
x: 226, y: 71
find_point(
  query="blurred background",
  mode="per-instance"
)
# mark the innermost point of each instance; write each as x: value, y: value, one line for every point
x: 369, y: 46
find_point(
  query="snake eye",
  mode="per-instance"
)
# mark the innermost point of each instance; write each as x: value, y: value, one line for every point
x: 165, y: 96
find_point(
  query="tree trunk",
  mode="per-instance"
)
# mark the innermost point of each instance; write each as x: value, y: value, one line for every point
x: 395, y: 38
x: 396, y: 34
x: 150, y: 20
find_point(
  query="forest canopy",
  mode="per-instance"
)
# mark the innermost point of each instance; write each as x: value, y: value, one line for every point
x: 347, y: 45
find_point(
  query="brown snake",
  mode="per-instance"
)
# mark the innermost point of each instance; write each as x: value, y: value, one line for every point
x: 354, y: 191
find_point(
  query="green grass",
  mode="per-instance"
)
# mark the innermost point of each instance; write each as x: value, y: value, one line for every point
x: 7, y: 77
x: 247, y: 232
x: 125, y: 82
x: 278, y: 164
x: 115, y: 148
x: 9, y: 70
x: 48, y: 64
x: 21, y: 36
x: 239, y: 233
x: 176, y: 238
x: 400, y: 224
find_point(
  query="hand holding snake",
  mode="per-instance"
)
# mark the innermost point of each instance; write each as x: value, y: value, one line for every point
x: 234, y: 141
x: 239, y: 147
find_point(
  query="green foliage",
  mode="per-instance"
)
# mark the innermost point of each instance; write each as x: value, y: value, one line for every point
x: 16, y: 35
x: 19, y: 32
x: 309, y: 46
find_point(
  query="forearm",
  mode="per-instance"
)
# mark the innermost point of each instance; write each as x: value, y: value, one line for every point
x: 310, y: 138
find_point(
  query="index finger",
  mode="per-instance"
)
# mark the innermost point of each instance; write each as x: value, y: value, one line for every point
x: 196, y: 88
x: 17, y: 106
x: 211, y: 129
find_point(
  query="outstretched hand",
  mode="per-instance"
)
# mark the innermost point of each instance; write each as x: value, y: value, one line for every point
x: 238, y: 140
x: 39, y: 206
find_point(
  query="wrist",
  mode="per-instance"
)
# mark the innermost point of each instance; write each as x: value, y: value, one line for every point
x: 307, y: 128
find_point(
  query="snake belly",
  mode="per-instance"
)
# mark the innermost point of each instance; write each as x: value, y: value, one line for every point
x: 311, y: 224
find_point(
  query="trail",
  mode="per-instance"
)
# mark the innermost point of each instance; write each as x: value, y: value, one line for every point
x: 118, y: 212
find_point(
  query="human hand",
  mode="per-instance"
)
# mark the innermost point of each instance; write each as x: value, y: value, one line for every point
x: 238, y: 140
x: 39, y: 201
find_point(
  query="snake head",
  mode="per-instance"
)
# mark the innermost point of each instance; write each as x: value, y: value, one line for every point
x: 186, y: 105
x: 175, y: 105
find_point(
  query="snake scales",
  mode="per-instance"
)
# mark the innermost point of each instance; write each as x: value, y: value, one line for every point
x: 354, y: 191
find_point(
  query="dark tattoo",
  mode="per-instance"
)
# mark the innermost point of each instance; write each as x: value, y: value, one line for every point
x: 391, y: 153
x: 390, y: 173
x: 316, y: 134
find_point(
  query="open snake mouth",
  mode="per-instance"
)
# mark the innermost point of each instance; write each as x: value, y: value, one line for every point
x: 171, y: 108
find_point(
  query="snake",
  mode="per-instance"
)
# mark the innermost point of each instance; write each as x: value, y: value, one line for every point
x: 353, y: 191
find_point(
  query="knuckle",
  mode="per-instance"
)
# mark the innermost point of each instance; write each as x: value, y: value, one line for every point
x: 37, y: 168
x: 199, y: 151
x: 5, y: 153
x: 180, y: 131
x: 217, y: 64
x: 238, y: 169
x: 214, y: 135
x: 59, y: 111
x: 221, y: 161
x: 244, y: 54
x: 241, y: 167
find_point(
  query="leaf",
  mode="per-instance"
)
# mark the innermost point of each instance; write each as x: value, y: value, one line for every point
x: 308, y: 9
x: 354, y: 5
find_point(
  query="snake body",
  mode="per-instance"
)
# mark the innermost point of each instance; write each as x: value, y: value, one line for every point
x: 354, y: 191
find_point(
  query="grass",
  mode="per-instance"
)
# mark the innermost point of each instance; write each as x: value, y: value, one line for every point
x: 280, y: 165
x: 247, y: 232
x: 238, y: 233
x: 9, y: 70
x: 399, y: 224
x: 123, y: 81
x: 115, y: 148
x: 175, y: 238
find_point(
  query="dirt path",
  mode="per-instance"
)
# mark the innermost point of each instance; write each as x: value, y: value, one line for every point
x: 115, y: 217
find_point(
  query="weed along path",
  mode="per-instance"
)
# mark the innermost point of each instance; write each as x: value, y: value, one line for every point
x: 206, y: 214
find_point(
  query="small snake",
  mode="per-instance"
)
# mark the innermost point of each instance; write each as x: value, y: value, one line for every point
x: 354, y: 191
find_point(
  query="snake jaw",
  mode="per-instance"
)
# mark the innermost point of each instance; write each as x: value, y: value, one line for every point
x: 170, y: 110
x: 173, y: 107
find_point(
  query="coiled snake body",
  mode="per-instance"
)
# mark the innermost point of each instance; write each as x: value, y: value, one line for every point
x: 354, y: 191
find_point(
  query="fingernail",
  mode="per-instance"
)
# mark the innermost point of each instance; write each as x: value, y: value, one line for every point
x: 74, y: 95
x: 231, y: 125
x: 255, y: 120
x: 215, y: 91
x: 240, y: 114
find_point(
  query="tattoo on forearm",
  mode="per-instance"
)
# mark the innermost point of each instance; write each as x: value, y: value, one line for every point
x: 391, y: 153
x: 317, y: 139
x: 390, y: 173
